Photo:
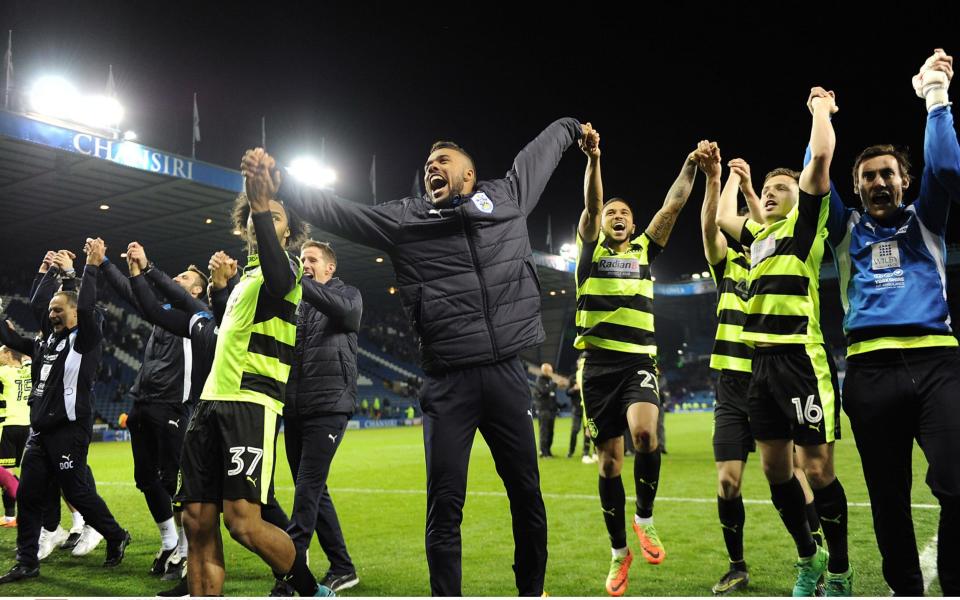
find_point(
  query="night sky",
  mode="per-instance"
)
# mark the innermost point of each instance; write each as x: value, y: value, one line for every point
x: 389, y: 79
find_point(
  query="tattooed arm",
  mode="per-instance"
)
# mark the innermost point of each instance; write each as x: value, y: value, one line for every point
x: 662, y: 223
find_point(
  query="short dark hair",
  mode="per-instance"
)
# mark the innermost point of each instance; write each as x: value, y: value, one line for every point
x: 795, y: 175
x: 441, y: 144
x: 196, y: 271
x: 299, y: 229
x: 324, y: 247
x: 616, y: 199
x: 903, y: 159
x: 743, y: 211
x: 70, y: 295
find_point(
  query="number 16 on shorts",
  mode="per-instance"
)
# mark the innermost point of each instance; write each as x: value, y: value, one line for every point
x: 808, y: 412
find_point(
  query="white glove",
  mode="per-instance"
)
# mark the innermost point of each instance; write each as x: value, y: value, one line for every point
x: 931, y: 84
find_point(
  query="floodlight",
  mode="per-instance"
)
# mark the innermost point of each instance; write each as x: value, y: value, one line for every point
x: 568, y: 251
x: 99, y: 111
x: 311, y: 172
x: 54, y: 96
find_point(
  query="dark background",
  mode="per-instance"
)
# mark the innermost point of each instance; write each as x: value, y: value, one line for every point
x: 390, y: 78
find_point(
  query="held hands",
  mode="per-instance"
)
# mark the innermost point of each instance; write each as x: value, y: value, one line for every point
x: 47, y: 261
x: 741, y: 169
x: 63, y: 260
x: 95, y: 249
x: 590, y: 142
x: 933, y: 79
x: 707, y: 157
x: 221, y: 268
x: 261, y: 178
x: 821, y: 97
x: 136, y: 258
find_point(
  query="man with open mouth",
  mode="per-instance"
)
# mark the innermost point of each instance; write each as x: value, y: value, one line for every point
x: 615, y: 329
x: 793, y: 396
x: 903, y: 366
x: 467, y: 280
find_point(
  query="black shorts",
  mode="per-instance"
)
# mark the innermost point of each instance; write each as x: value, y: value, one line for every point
x: 732, y: 438
x: 229, y: 453
x: 794, y: 394
x: 13, y: 440
x: 612, y: 381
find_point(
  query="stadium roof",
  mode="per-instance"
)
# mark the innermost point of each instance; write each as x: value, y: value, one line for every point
x: 55, y: 180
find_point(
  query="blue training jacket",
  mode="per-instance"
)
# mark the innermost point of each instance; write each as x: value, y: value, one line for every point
x: 893, y: 279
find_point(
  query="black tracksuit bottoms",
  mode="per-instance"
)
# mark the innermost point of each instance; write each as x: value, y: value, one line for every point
x: 494, y: 399
x: 311, y: 443
x: 892, y: 397
x: 156, y: 440
x: 52, y: 459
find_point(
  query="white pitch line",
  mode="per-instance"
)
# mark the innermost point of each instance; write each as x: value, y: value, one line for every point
x: 551, y: 495
x: 928, y: 563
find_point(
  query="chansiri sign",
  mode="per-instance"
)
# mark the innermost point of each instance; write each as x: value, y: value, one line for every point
x: 127, y: 153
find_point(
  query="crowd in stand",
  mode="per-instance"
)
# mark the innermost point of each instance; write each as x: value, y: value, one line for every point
x: 391, y: 333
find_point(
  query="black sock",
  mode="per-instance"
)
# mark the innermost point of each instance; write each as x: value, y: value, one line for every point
x: 646, y: 476
x: 612, y: 501
x: 788, y: 500
x: 9, y: 506
x: 831, y: 504
x: 300, y: 577
x: 814, y: 521
x: 732, y: 519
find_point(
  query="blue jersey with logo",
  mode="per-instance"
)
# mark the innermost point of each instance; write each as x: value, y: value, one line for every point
x: 893, y: 278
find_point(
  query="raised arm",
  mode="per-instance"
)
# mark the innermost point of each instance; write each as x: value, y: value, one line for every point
x: 89, y: 327
x: 534, y: 165
x: 815, y: 177
x: 280, y: 275
x: 175, y: 294
x: 61, y: 264
x: 727, y: 218
x: 940, y: 182
x: 173, y: 320
x: 223, y: 277
x: 343, y: 305
x: 663, y: 221
x: 11, y: 339
x: 375, y: 226
x: 714, y: 244
x: 118, y: 281
x: 589, y: 227
x: 44, y: 267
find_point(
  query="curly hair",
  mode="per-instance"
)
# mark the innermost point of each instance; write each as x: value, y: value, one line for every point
x: 299, y: 229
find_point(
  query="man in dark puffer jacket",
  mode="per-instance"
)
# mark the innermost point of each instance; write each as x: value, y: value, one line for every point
x: 321, y: 394
x: 467, y: 281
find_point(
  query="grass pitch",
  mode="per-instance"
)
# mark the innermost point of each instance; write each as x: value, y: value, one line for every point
x: 378, y: 483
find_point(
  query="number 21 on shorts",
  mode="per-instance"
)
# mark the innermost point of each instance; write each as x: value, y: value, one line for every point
x: 809, y: 412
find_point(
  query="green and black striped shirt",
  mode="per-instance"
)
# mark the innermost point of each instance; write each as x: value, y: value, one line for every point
x: 730, y: 351
x: 784, y: 279
x: 615, y: 296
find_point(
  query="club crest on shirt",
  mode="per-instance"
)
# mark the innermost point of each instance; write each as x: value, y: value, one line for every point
x: 483, y: 203
x: 62, y: 345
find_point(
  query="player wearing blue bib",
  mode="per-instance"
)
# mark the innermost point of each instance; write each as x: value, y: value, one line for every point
x: 903, y: 366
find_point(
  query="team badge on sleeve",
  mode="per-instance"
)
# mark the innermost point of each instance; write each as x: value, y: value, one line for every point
x: 482, y: 202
